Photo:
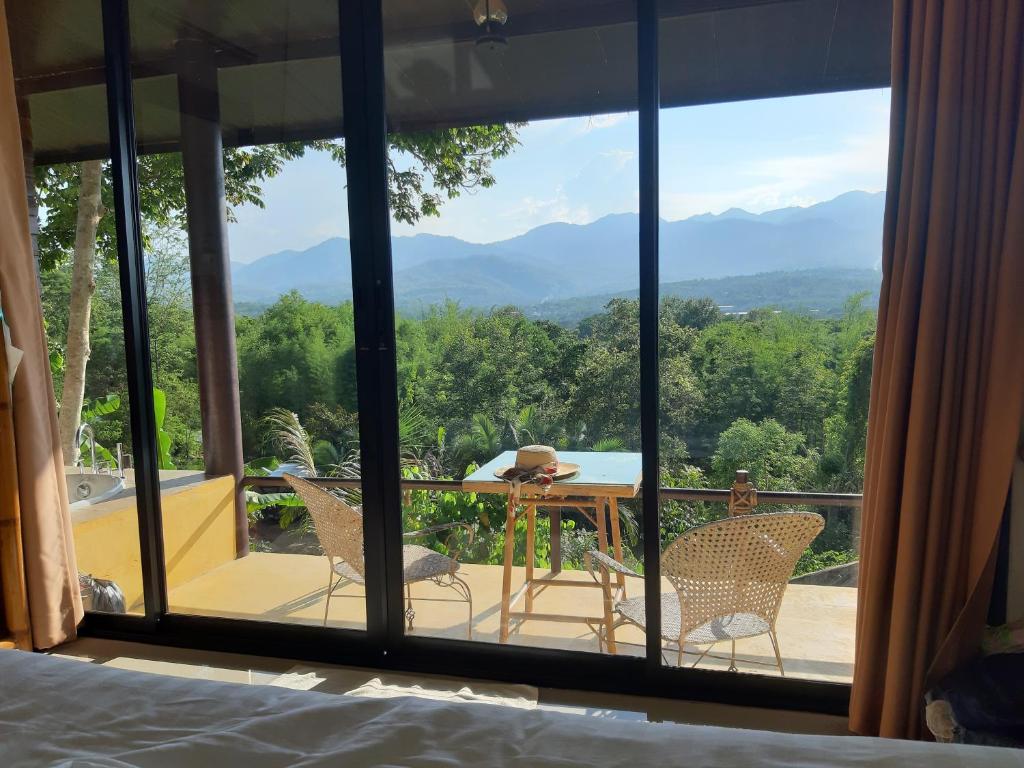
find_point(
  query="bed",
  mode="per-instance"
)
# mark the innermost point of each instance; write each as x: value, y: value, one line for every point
x: 62, y: 712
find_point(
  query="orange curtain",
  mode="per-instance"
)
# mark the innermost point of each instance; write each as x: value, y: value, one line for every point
x: 948, y: 387
x: 54, y: 599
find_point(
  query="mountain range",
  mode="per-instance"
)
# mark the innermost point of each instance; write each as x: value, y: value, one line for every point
x: 558, y: 263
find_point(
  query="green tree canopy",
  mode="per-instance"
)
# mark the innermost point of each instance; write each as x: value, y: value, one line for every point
x: 777, y: 459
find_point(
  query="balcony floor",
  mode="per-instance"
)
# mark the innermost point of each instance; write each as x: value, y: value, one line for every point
x: 815, y: 626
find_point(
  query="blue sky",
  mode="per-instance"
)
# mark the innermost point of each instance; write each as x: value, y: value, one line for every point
x: 756, y: 155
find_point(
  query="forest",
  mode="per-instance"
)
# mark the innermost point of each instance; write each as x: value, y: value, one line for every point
x: 777, y: 391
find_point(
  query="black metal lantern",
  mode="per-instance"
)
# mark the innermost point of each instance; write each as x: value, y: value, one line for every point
x: 491, y: 16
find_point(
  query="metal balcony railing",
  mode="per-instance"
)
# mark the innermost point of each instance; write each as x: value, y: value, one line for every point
x: 741, y: 498
x: 720, y: 495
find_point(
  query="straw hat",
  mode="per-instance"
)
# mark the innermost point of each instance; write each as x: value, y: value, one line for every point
x: 539, y: 459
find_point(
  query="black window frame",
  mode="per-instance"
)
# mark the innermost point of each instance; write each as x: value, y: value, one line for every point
x: 384, y: 645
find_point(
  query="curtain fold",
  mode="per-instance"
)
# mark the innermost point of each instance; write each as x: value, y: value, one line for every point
x: 948, y: 383
x: 55, y: 602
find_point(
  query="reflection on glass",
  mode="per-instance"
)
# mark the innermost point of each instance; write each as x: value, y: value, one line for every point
x: 514, y: 192
x: 65, y: 136
x: 771, y: 224
x: 241, y: 169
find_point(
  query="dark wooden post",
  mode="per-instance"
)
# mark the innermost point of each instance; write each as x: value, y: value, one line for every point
x: 28, y: 153
x: 555, y: 556
x: 206, y: 208
x: 743, y: 496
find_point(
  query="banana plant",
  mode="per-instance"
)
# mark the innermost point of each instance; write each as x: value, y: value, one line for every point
x: 163, y: 438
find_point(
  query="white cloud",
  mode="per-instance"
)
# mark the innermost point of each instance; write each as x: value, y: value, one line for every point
x: 787, y: 180
x: 532, y: 211
x: 858, y: 154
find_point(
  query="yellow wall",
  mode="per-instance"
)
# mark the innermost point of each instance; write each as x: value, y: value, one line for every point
x: 199, y: 535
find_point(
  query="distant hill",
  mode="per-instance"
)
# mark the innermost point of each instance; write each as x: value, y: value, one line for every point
x: 562, y: 262
x: 819, y: 291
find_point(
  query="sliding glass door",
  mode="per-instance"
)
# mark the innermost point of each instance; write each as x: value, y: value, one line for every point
x: 70, y: 189
x: 238, y: 116
x: 398, y: 351
x: 513, y: 179
x: 771, y: 209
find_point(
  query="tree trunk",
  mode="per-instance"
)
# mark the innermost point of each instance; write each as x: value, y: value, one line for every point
x: 83, y: 284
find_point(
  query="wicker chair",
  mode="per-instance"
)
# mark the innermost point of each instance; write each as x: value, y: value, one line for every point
x: 729, y: 577
x: 339, y: 527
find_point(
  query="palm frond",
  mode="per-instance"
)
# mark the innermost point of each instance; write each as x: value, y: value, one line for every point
x: 486, y: 435
x: 290, y: 437
x: 349, y: 467
x: 414, y: 430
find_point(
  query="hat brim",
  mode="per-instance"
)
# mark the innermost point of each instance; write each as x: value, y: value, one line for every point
x: 565, y: 471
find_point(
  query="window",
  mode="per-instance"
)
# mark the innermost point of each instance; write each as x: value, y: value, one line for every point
x: 514, y: 188
x: 515, y: 135
x: 68, y: 161
x: 770, y: 251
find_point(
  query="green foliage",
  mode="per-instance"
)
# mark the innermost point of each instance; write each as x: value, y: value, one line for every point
x: 287, y: 435
x: 811, y: 561
x: 781, y: 393
x: 825, y: 291
x: 256, y: 503
x: 777, y: 459
x: 163, y: 438
x: 100, y: 407
x: 458, y: 159
x: 93, y: 414
x: 424, y: 169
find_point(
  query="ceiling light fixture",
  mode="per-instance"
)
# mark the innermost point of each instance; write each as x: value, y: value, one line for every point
x: 491, y: 16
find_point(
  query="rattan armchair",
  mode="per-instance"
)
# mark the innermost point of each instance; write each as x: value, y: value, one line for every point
x: 729, y: 578
x: 339, y: 527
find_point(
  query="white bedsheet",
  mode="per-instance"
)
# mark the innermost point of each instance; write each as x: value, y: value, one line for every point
x: 70, y: 713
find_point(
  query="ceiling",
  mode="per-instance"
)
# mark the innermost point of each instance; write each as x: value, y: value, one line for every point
x: 280, y: 72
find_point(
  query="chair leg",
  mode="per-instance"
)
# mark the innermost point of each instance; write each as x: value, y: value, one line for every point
x: 732, y: 662
x: 410, y: 614
x: 775, y: 647
x: 460, y: 586
x: 606, y: 584
x: 506, y: 575
x: 702, y: 655
x: 330, y: 590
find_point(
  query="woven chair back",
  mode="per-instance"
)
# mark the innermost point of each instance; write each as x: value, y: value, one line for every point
x: 738, y: 565
x: 339, y: 527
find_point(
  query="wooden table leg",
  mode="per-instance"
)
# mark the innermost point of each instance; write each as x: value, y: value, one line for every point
x: 613, y: 515
x: 601, y: 521
x: 531, y: 552
x: 606, y: 587
x: 506, y: 576
x: 555, y: 559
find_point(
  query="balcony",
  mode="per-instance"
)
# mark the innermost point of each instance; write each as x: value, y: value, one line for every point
x: 815, y: 626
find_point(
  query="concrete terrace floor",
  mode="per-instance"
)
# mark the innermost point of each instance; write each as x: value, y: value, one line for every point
x: 815, y: 626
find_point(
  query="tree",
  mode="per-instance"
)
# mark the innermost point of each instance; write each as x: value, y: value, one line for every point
x: 691, y: 313
x: 605, y: 394
x: 89, y: 212
x: 424, y: 168
x: 777, y: 459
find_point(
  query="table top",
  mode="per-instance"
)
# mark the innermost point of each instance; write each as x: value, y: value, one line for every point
x: 602, y: 473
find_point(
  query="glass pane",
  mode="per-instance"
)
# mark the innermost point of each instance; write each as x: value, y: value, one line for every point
x: 514, y: 192
x: 770, y: 271
x: 64, y: 119
x: 244, y: 218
